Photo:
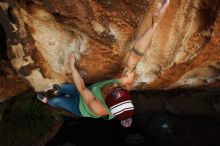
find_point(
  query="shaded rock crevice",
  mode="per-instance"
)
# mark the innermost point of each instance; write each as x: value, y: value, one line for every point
x: 11, y: 84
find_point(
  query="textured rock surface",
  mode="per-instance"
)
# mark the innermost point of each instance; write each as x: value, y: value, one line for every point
x: 10, y: 83
x: 184, y: 51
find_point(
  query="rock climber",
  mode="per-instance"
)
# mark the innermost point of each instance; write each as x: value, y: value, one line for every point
x: 110, y: 98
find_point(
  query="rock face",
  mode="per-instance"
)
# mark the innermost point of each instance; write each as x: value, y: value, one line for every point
x: 184, y: 52
x: 10, y: 83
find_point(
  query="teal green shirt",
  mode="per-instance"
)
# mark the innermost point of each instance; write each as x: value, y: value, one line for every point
x: 96, y: 90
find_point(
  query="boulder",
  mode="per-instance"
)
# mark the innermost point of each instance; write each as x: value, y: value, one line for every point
x: 184, y: 51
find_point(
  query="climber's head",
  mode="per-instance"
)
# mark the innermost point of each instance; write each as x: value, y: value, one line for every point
x: 120, y: 104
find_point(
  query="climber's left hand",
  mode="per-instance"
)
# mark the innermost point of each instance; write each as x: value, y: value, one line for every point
x: 160, y: 11
x: 72, y: 60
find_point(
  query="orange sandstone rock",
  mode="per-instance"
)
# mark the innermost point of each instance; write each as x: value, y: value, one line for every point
x: 184, y: 51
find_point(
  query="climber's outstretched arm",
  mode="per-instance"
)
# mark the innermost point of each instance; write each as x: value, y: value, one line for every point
x: 143, y: 41
x: 91, y: 101
x: 141, y: 45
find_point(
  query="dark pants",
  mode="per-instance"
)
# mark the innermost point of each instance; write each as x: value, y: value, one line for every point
x: 67, y: 98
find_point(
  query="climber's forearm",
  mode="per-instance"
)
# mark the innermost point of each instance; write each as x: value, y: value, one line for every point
x: 78, y: 81
x: 140, y: 45
x: 143, y: 41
